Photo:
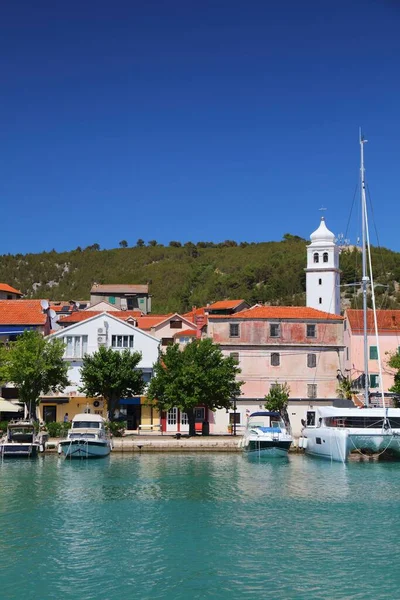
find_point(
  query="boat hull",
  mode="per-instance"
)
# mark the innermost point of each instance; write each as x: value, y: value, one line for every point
x: 338, y: 444
x: 84, y: 449
x: 270, y: 449
x: 15, y: 450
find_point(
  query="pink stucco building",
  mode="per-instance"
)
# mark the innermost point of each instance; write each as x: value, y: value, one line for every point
x: 389, y: 343
x: 300, y: 346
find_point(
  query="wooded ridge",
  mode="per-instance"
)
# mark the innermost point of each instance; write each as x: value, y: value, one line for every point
x: 182, y: 276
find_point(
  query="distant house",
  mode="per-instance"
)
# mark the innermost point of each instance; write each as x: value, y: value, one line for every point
x: 226, y: 307
x: 9, y: 293
x: 389, y: 343
x: 86, y: 337
x: 165, y: 327
x: 123, y: 297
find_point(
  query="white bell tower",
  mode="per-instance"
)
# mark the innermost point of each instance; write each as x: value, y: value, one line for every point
x: 322, y: 272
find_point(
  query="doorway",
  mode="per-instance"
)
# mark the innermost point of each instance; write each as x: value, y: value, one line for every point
x: 133, y: 415
x: 49, y: 414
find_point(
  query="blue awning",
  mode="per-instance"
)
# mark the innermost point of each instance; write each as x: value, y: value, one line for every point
x: 135, y: 401
x: 14, y: 329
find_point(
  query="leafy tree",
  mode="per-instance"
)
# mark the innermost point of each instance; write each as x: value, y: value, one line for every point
x: 112, y: 375
x: 140, y: 243
x: 277, y: 399
x: 345, y: 387
x: 153, y: 243
x: 174, y: 244
x: 35, y: 366
x: 123, y: 244
x: 198, y: 375
x: 94, y: 247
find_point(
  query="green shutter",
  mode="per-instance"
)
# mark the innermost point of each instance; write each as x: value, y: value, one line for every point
x: 373, y: 352
x: 374, y: 381
x: 111, y: 299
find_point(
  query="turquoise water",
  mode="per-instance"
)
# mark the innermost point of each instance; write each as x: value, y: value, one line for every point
x: 198, y: 526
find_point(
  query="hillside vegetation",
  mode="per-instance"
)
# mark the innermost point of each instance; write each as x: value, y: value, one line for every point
x: 183, y: 276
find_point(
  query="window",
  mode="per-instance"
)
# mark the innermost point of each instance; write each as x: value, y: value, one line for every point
x: 130, y: 303
x: 234, y: 418
x: 172, y: 415
x: 310, y: 418
x: 235, y: 356
x: 374, y: 381
x: 233, y: 329
x: 347, y: 354
x: 325, y: 257
x: 176, y: 324
x: 111, y: 299
x: 311, y: 330
x: 311, y: 360
x: 345, y: 325
x: 319, y: 281
x: 184, y: 339
x: 275, y: 359
x: 184, y: 419
x: 199, y: 414
x: 167, y: 341
x: 122, y: 341
x: 76, y: 346
x: 316, y: 257
x: 320, y: 300
x: 274, y: 330
x: 311, y: 390
x: 373, y: 352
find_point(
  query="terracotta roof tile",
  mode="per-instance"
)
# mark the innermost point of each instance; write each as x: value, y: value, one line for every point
x: 194, y: 313
x: 4, y: 287
x: 21, y: 312
x: 224, y: 304
x: 186, y: 332
x: 147, y: 322
x: 388, y: 320
x: 279, y: 312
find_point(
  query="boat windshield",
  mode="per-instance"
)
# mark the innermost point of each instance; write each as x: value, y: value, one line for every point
x: 86, y: 425
x: 83, y: 436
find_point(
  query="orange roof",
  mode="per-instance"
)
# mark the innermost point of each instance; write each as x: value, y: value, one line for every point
x: 21, y: 312
x: 388, y: 320
x: 4, y: 287
x: 147, y: 322
x: 280, y: 312
x: 194, y: 313
x: 186, y: 332
x: 224, y: 304
x: 79, y: 316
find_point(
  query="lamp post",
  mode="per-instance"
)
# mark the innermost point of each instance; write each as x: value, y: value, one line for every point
x: 234, y: 416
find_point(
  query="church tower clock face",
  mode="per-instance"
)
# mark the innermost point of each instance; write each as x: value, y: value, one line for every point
x: 322, y: 272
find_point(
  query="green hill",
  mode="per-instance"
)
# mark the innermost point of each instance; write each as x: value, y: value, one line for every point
x: 183, y: 276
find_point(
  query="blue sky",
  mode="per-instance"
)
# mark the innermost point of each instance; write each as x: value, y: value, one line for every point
x: 190, y: 121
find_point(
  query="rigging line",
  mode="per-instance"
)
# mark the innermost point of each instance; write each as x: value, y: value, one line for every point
x: 351, y: 211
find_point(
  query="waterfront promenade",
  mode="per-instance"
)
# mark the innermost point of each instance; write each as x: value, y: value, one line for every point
x: 155, y: 442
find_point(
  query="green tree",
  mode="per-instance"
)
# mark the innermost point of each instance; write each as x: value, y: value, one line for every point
x: 140, y: 243
x: 345, y: 387
x: 198, y: 375
x: 123, y: 244
x: 175, y: 244
x: 277, y: 399
x: 112, y: 375
x: 35, y: 366
x: 153, y: 243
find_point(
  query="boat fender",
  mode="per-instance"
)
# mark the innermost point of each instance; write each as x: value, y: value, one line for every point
x: 41, y: 448
x: 59, y: 449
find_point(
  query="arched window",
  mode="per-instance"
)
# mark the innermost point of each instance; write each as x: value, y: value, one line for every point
x: 326, y: 257
x: 316, y: 257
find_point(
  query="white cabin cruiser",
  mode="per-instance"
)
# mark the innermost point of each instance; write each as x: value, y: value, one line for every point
x: 340, y: 431
x: 87, y: 438
x: 21, y: 440
x: 266, y: 434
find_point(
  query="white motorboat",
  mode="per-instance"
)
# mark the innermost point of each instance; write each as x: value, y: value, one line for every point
x: 339, y: 431
x: 21, y: 440
x: 87, y: 438
x: 266, y: 434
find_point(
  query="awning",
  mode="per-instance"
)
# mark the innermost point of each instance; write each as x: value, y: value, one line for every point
x: 6, y: 406
x: 14, y: 329
x: 54, y: 400
x: 135, y: 401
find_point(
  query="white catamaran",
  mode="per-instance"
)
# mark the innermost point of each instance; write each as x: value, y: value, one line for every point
x: 339, y: 431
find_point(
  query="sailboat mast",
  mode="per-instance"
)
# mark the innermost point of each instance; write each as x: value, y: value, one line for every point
x: 365, y: 278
